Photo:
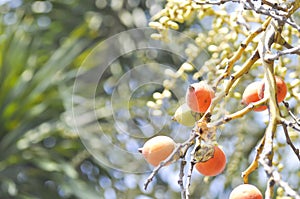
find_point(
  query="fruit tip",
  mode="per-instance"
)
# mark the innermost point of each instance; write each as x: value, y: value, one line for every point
x: 243, y: 102
x: 140, y: 150
x: 173, y: 118
x: 191, y: 88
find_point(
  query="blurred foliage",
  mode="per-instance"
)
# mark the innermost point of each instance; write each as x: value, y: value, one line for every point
x: 42, y: 45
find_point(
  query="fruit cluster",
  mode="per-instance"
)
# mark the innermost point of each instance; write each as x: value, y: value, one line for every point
x: 175, y: 13
x: 158, y: 148
x: 198, y: 98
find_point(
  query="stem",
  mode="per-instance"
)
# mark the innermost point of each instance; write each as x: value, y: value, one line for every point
x: 286, y: 104
x: 270, y: 92
x: 254, y: 165
x: 289, y: 141
x: 240, y: 113
x: 245, y: 68
x: 188, y: 179
x: 276, y: 177
x: 270, y: 188
x: 241, y: 49
x: 180, y: 181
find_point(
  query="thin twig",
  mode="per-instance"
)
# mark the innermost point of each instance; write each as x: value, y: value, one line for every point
x: 244, y: 69
x: 181, y: 175
x: 220, y: 2
x: 279, y: 16
x: 288, y: 139
x: 191, y: 166
x: 240, y: 113
x: 231, y: 62
x: 291, y: 22
x: 286, y: 104
x: 274, y: 13
x: 275, y: 56
x: 188, y: 179
x: 290, y: 124
x: 240, y: 18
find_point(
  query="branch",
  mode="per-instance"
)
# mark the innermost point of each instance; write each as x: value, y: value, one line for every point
x: 285, y: 124
x: 274, y: 13
x: 254, y: 165
x: 274, y: 5
x: 188, y: 179
x: 290, y: 124
x: 240, y: 113
x: 291, y: 22
x: 286, y: 104
x: 244, y: 69
x: 270, y: 188
x: 270, y: 92
x: 220, y: 2
x: 241, y: 49
x: 196, y: 148
x: 271, y: 57
x: 201, y: 152
x: 180, y: 181
x: 180, y: 151
x: 246, y: 66
x: 279, y: 13
x: 276, y: 178
x: 273, y: 10
x: 281, y: 41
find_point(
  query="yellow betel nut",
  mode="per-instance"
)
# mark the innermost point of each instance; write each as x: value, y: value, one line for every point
x: 157, y: 149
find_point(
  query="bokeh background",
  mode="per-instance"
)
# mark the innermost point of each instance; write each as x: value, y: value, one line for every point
x: 74, y: 108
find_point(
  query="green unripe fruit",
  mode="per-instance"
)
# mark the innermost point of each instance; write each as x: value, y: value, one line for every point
x: 185, y: 116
